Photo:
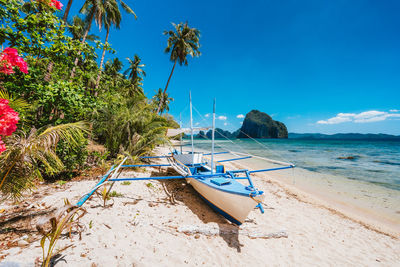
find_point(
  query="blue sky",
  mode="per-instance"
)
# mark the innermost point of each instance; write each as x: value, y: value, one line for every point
x: 317, y: 66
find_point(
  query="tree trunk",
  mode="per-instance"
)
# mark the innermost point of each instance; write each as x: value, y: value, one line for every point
x: 65, y: 17
x: 102, y: 61
x: 80, y: 49
x: 165, y: 90
x: 50, y: 66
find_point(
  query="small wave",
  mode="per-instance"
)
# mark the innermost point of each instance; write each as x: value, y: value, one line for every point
x: 293, y: 150
x: 387, y: 162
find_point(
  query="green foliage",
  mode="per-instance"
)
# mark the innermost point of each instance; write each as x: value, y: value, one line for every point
x: 116, y: 194
x: 136, y: 129
x: 51, y: 141
x: 30, y: 156
x: 105, y: 195
x: 126, y: 183
x: 182, y: 41
x: 36, y: 31
x: 162, y: 100
x: 61, y: 182
x: 74, y: 159
x: 62, y: 102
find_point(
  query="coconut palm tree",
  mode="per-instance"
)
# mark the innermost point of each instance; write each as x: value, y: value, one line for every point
x: 111, y: 16
x: 182, y: 42
x: 77, y: 28
x: 113, y: 67
x: 162, y: 100
x: 135, y: 70
x: 92, y: 9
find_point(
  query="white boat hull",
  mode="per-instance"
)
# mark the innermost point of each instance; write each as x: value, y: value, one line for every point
x: 234, y: 205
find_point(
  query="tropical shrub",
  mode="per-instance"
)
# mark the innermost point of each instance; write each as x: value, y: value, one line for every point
x: 31, y: 155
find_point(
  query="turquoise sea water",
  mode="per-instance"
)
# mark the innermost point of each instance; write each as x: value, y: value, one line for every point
x: 376, y: 162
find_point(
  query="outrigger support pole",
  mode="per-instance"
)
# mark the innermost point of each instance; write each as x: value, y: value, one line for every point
x: 273, y: 169
x: 217, y: 153
x: 85, y: 197
x: 225, y: 160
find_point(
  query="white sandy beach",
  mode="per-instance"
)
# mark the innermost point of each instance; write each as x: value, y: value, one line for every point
x: 144, y: 227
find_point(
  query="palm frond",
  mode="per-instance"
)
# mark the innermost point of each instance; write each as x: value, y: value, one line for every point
x: 29, y: 155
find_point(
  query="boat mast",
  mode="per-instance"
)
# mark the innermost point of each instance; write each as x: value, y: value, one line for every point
x: 212, y: 138
x: 191, y: 125
x: 180, y: 126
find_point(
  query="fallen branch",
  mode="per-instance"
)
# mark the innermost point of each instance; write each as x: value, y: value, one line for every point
x: 13, y: 217
x: 211, y: 230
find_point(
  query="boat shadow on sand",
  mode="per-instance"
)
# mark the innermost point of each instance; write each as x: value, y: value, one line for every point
x: 179, y: 191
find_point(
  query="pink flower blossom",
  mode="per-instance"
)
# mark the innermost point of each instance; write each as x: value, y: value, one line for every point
x: 8, y: 121
x: 56, y: 4
x: 10, y: 58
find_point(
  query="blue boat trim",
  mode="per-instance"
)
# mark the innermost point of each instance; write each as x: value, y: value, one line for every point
x: 220, y: 211
x: 85, y: 197
x: 242, y: 192
x: 226, y: 152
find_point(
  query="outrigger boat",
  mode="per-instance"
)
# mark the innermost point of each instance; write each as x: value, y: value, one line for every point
x: 218, y: 187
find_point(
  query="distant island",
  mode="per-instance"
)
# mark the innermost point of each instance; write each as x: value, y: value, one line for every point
x: 256, y: 124
x: 344, y: 136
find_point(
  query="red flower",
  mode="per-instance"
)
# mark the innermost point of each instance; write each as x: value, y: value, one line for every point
x: 56, y: 4
x: 10, y: 58
x: 8, y: 118
x: 8, y: 121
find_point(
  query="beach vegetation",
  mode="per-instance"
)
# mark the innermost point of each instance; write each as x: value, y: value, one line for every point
x: 59, y: 101
x: 32, y: 155
x: 115, y: 194
x: 66, y: 219
x: 61, y: 182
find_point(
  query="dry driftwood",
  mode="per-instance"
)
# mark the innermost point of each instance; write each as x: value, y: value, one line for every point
x: 13, y: 217
x: 211, y: 230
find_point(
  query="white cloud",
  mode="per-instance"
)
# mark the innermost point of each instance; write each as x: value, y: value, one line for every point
x: 394, y: 110
x: 207, y: 115
x: 222, y: 118
x: 197, y: 123
x: 225, y: 123
x: 363, y: 117
x: 240, y: 116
